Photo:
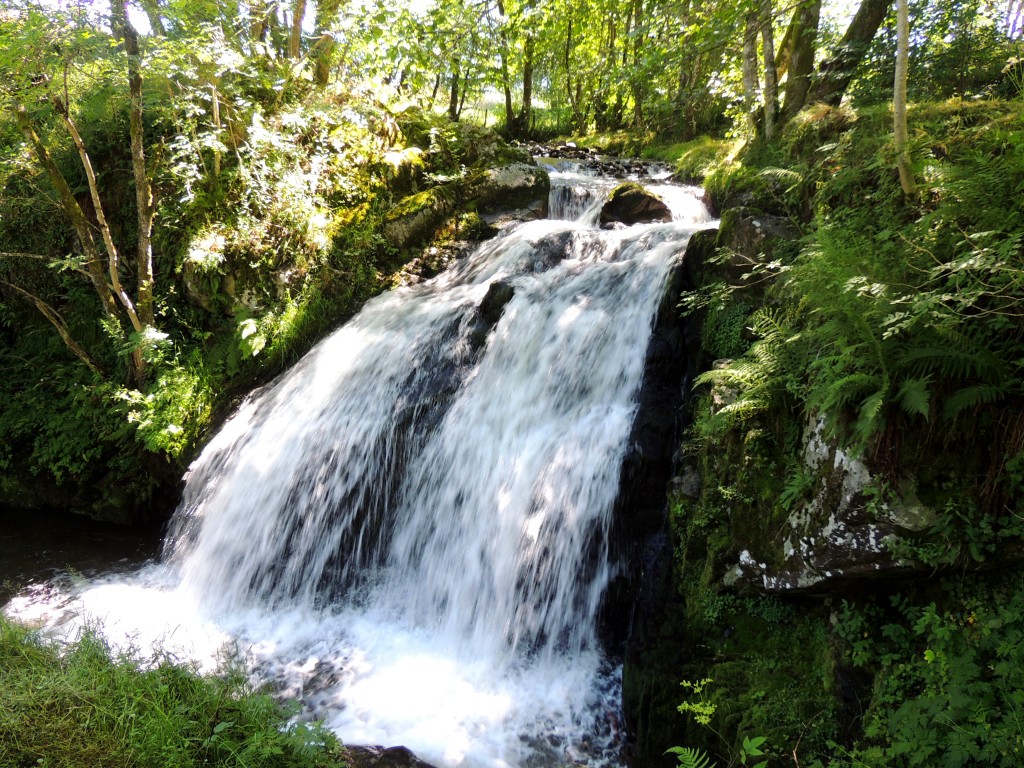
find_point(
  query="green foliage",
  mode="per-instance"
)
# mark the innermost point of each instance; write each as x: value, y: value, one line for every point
x: 893, y: 320
x: 722, y: 333
x: 752, y: 749
x: 900, y: 326
x: 67, y: 707
x: 948, y: 674
x: 691, y: 758
x: 701, y: 709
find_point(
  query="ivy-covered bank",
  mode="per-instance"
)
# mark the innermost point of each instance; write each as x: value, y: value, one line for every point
x: 847, y: 581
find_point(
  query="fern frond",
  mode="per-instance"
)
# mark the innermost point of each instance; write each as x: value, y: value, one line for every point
x: 970, y: 397
x: 841, y: 393
x: 782, y: 174
x: 955, y: 364
x: 870, y: 420
x: 691, y: 758
x: 914, y: 396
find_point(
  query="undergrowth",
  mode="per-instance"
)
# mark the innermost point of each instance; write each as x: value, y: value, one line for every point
x: 84, y: 705
x: 896, y: 332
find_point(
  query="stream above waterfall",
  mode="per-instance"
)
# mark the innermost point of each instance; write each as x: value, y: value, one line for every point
x: 409, y: 531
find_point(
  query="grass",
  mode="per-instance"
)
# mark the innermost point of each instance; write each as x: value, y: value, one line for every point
x: 694, y: 160
x: 83, y: 706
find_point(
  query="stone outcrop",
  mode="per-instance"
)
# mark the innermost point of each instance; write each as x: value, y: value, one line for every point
x: 518, y: 191
x: 630, y: 203
x: 844, y: 532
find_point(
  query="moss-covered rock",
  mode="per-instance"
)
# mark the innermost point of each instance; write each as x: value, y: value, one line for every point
x: 518, y: 187
x: 631, y: 203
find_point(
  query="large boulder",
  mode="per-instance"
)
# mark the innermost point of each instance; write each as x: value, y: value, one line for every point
x: 415, y: 218
x: 518, y: 191
x: 630, y: 203
x: 842, y: 531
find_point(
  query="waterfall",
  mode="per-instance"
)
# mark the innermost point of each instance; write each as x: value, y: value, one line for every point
x: 409, y: 530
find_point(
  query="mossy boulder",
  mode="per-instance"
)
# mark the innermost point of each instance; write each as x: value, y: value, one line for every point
x: 518, y: 187
x: 630, y: 203
x: 415, y: 218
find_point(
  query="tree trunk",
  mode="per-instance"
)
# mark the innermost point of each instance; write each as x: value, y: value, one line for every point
x: 327, y: 13
x: 143, y: 190
x: 57, y: 322
x: 71, y: 208
x: 567, y: 63
x: 526, y: 109
x: 750, y: 80
x: 636, y: 80
x: 453, y: 93
x: 899, y: 100
x: 506, y: 82
x: 801, y: 59
x: 771, y: 84
x: 295, y: 37
x: 838, y: 70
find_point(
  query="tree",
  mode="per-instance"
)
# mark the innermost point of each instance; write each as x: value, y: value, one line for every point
x: 771, y: 82
x: 797, y: 52
x: 899, y: 99
x: 39, y: 57
x: 838, y: 70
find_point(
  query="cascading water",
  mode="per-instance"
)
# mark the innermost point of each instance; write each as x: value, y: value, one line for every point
x: 409, y: 530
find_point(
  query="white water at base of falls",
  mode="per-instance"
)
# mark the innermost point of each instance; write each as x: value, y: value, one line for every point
x: 408, y: 531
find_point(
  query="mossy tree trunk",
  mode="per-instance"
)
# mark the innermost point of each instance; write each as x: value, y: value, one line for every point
x: 798, y: 58
x: 838, y: 70
x: 771, y: 83
x: 751, y: 85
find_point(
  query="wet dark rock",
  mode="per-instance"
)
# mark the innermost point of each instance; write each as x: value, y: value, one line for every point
x: 632, y: 204
x: 498, y: 295
x: 567, y: 151
x: 383, y: 757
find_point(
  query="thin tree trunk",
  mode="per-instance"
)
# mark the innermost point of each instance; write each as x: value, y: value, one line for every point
x: 57, y: 322
x: 506, y: 82
x: 143, y: 190
x: 453, y: 93
x: 295, y: 37
x: 462, y: 96
x: 567, y: 63
x: 636, y: 79
x: 526, y: 109
x: 73, y: 210
x: 771, y: 84
x: 113, y: 257
x: 750, y: 80
x: 899, y: 100
x: 838, y: 70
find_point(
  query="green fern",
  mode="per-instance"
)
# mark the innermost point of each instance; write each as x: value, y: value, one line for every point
x: 914, y: 396
x: 972, y: 397
x: 691, y: 758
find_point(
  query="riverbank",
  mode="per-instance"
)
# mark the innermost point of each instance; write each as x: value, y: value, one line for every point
x: 845, y: 523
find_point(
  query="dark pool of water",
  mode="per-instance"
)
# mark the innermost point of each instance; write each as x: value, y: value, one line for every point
x: 37, y: 546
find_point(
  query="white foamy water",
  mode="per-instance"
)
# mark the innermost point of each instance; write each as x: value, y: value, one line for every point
x: 408, y: 531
